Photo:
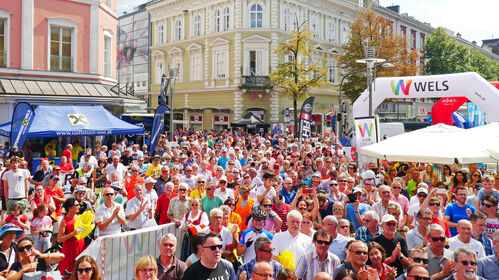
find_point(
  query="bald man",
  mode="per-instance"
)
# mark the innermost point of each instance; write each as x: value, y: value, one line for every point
x: 323, y: 276
x: 463, y: 239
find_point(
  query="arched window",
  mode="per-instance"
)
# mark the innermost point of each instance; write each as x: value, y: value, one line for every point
x: 160, y: 34
x: 216, y: 21
x: 197, y: 25
x: 287, y: 19
x: 178, y: 30
x: 226, y: 18
x: 256, y: 16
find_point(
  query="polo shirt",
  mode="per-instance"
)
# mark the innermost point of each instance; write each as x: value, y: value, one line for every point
x: 309, y: 265
x: 435, y: 263
x: 248, y: 267
x: 207, y: 204
x: 132, y: 206
x: 175, y: 272
x: 414, y: 238
x: 247, y: 234
x: 224, y: 234
x: 103, y: 213
x: 298, y: 245
x: 389, y: 245
x: 488, y: 267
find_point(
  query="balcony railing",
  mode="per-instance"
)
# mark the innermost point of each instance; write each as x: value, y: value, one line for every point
x: 256, y: 82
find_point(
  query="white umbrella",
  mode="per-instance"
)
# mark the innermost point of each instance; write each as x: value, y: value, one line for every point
x: 435, y: 144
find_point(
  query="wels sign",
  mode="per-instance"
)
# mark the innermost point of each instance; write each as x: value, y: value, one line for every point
x: 366, y: 129
x: 404, y: 86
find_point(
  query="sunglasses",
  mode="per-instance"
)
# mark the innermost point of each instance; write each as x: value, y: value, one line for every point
x: 267, y: 205
x: 342, y: 181
x: 109, y: 194
x: 222, y: 183
x: 419, y: 277
x: 441, y: 239
x: 322, y: 242
x: 195, y: 204
x: 182, y: 190
x: 434, y: 204
x: 246, y: 177
x: 422, y: 195
x: 86, y: 270
x: 358, y: 253
x: 243, y: 192
x: 214, y: 247
x: 337, y: 209
x: 267, y: 251
x: 25, y: 248
x: 466, y: 263
x: 421, y: 260
x: 488, y: 205
x: 332, y: 185
x: 303, y: 209
x: 201, y: 182
x: 208, y: 189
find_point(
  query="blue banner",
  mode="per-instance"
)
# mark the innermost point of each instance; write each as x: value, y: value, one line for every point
x: 22, y: 118
x: 476, y: 116
x: 157, y: 127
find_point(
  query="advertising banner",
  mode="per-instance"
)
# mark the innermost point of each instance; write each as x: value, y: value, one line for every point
x: 157, y: 127
x: 22, y: 119
x: 366, y: 133
x: 476, y: 116
x: 163, y: 94
x: 442, y: 110
x: 306, y: 118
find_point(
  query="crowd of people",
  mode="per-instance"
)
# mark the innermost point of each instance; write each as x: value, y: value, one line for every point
x: 252, y: 207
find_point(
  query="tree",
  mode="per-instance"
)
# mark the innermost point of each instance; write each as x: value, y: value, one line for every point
x: 300, y: 70
x: 444, y: 55
x: 485, y: 67
x: 375, y: 30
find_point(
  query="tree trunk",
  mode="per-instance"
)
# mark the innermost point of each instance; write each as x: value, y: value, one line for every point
x: 295, y: 111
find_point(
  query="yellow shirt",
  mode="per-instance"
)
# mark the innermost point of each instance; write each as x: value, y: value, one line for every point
x: 195, y: 193
x: 154, y: 171
x: 76, y: 151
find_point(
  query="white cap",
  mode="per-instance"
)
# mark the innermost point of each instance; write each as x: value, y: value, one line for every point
x: 368, y: 174
x: 150, y: 180
x: 388, y: 218
x: 355, y: 190
x: 423, y: 190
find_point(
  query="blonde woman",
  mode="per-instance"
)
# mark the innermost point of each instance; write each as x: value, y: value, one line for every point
x: 146, y: 269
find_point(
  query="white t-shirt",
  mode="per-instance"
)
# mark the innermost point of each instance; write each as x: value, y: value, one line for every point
x: 132, y: 206
x: 103, y: 213
x: 191, y: 182
x: 225, y: 236
x: 16, y: 182
x: 474, y: 245
x: 224, y: 195
x: 413, y: 211
x: 120, y: 169
x: 261, y: 190
x: 298, y: 246
x: 152, y: 196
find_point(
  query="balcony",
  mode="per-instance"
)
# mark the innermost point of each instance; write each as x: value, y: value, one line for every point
x: 256, y: 83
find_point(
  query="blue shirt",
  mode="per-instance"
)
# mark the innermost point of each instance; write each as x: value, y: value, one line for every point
x: 223, y: 161
x: 248, y: 267
x: 288, y: 197
x: 338, y: 245
x: 352, y: 217
x: 488, y: 267
x: 456, y: 214
x: 487, y: 245
x: 328, y: 211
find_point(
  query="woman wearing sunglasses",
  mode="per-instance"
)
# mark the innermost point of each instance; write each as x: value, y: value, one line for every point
x: 85, y: 269
x: 30, y: 259
x: 71, y: 247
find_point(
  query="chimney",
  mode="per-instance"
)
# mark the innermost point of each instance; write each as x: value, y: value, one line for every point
x: 458, y: 35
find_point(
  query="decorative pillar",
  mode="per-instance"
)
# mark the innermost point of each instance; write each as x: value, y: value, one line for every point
x: 274, y: 106
x: 238, y: 105
x: 237, y: 59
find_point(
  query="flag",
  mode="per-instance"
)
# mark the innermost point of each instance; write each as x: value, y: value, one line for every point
x: 157, y: 127
x: 306, y: 118
x: 22, y: 118
x: 163, y: 94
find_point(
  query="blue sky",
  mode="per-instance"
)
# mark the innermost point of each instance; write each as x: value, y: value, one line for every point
x: 475, y: 19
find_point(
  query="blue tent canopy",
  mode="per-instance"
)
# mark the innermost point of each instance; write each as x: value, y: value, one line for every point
x: 61, y: 121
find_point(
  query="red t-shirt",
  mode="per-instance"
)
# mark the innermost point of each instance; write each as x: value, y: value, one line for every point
x: 68, y: 154
x: 443, y: 224
x: 11, y: 219
x: 66, y: 167
x: 57, y: 192
x: 162, y: 208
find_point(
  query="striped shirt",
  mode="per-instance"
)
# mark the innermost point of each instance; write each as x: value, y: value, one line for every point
x: 309, y: 265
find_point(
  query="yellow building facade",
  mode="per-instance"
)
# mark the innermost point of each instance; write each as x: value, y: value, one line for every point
x: 222, y: 53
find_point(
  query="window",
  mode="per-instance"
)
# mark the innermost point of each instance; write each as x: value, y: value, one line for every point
x: 421, y: 41
x: 60, y: 49
x: 220, y: 65
x: 216, y: 21
x: 331, y: 31
x: 315, y: 27
x: 3, y: 42
x: 287, y: 19
x: 178, y: 30
x: 196, y: 67
x: 331, y: 72
x: 256, y: 16
x: 403, y: 30
x: 177, y: 66
x: 345, y: 30
x: 289, y: 58
x: 413, y: 38
x: 255, y: 63
x: 158, y: 73
x: 107, y: 56
x: 226, y: 18
x: 197, y: 25
x: 160, y: 34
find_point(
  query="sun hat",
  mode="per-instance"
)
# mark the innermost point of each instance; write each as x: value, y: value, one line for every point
x: 10, y: 227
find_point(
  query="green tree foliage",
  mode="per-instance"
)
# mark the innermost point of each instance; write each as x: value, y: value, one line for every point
x: 301, y: 69
x: 375, y: 30
x: 444, y: 55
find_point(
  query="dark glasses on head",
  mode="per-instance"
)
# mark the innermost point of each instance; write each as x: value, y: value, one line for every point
x: 419, y: 277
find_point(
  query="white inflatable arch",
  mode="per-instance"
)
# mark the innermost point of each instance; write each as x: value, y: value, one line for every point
x: 470, y: 85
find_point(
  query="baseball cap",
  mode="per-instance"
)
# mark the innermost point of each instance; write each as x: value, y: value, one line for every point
x: 356, y: 190
x: 423, y: 190
x: 150, y: 180
x: 10, y: 227
x: 223, y: 178
x: 388, y: 218
x: 80, y: 189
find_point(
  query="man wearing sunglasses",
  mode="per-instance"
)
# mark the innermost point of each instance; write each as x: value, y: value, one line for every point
x: 488, y: 267
x: 466, y: 265
x: 110, y: 215
x: 358, y: 255
x: 263, y: 249
x: 211, y: 265
x: 318, y: 260
x: 490, y: 210
x: 440, y: 263
x: 246, y: 248
x: 416, y: 271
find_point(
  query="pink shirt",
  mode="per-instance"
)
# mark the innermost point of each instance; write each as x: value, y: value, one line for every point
x: 403, y: 201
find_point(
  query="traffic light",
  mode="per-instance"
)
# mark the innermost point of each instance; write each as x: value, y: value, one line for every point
x: 338, y: 116
x: 167, y: 122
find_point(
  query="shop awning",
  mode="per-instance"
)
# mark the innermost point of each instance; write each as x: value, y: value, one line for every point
x: 60, y: 121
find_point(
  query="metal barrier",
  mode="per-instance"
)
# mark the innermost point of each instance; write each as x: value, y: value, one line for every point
x: 117, y: 254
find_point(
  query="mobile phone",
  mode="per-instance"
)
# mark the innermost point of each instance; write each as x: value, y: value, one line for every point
x: 352, y: 197
x: 439, y: 191
x: 307, y: 191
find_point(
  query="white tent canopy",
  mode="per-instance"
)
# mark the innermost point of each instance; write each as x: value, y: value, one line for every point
x: 440, y: 144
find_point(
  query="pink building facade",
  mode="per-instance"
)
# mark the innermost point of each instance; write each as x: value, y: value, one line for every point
x: 59, y: 52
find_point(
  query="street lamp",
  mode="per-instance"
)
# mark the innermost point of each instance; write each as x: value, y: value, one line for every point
x: 370, y: 62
